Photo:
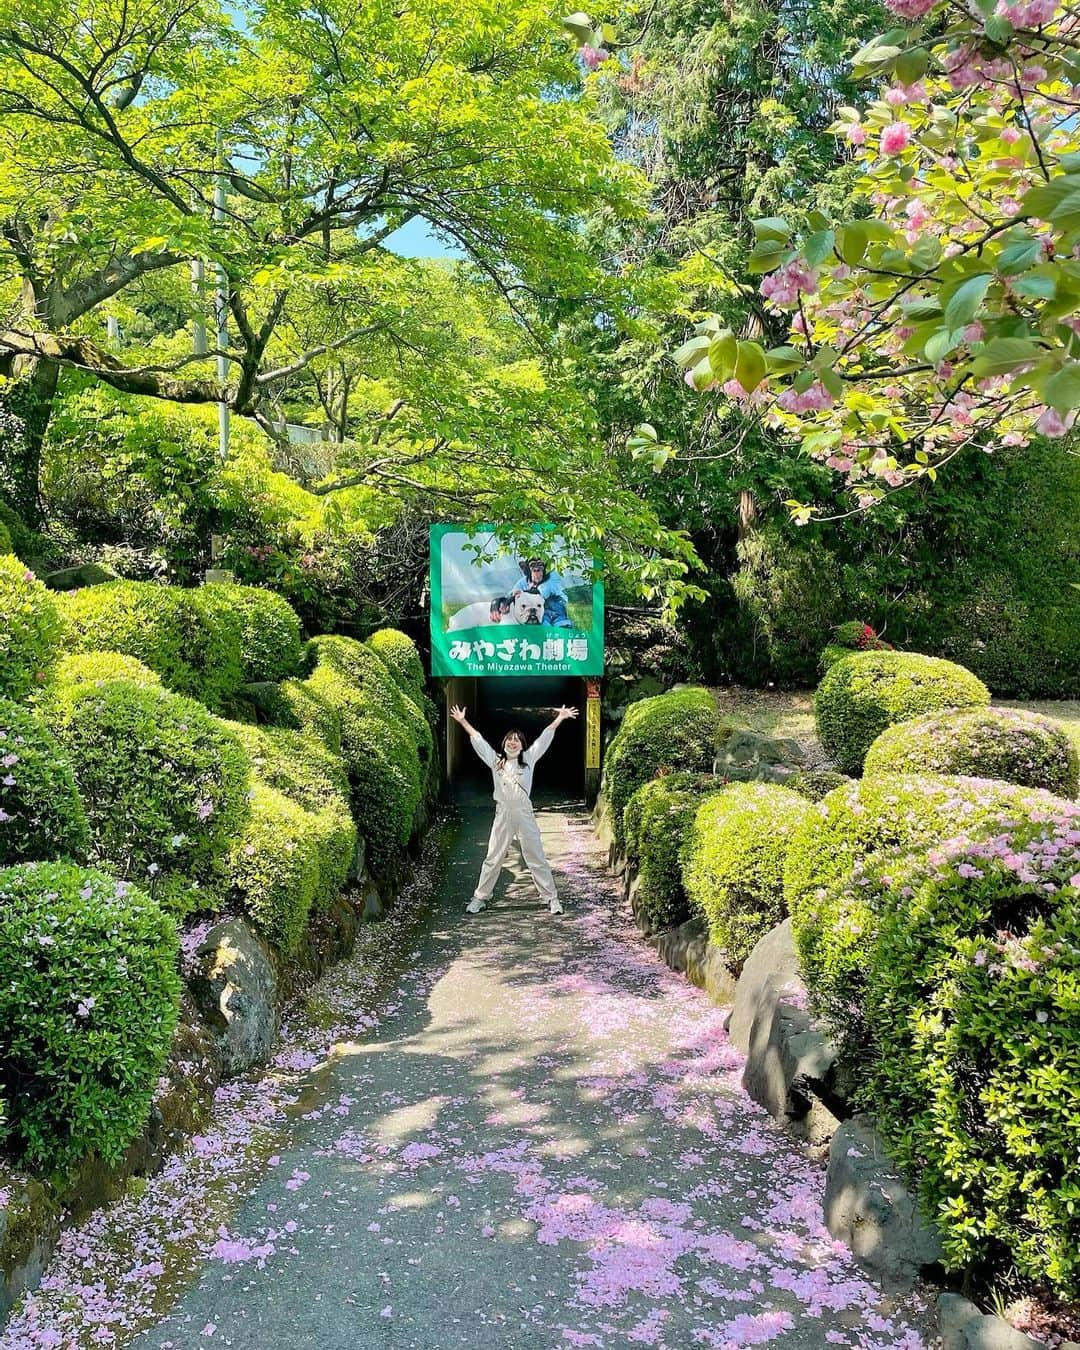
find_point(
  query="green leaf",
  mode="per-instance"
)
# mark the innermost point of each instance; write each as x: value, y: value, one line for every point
x: 772, y: 227
x: 999, y: 30
x: 912, y: 65
x: 1062, y: 391
x: 852, y: 243
x: 832, y: 381
x: 966, y: 299
x: 939, y: 346
x: 783, y: 360
x: 1019, y: 256
x: 690, y: 353
x: 767, y: 256
x: 580, y: 25
x: 1002, y: 355
x: 723, y: 355
x: 818, y: 247
x: 702, y: 375
x: 751, y: 366
x: 926, y: 254
x: 1038, y: 286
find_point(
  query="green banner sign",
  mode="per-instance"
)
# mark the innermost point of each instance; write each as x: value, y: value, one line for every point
x: 495, y: 613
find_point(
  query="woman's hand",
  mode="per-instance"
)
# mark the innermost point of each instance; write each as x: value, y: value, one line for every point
x: 458, y: 714
x: 561, y: 714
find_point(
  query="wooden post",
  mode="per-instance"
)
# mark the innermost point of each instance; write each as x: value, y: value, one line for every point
x: 592, y: 741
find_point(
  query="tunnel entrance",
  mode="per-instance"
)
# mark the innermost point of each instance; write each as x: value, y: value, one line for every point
x: 527, y: 703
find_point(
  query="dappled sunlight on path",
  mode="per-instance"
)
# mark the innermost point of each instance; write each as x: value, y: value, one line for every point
x: 536, y: 1137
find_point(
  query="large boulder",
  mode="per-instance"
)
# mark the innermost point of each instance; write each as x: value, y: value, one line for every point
x: 688, y: 950
x: 747, y: 756
x: 964, y: 1327
x: 790, y: 1069
x: 237, y: 990
x: 771, y: 966
x: 868, y: 1207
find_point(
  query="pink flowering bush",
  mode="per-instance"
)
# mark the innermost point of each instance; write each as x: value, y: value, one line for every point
x: 824, y: 890
x: 164, y: 784
x: 868, y: 691
x: 89, y: 998
x: 733, y: 862
x: 41, y: 813
x: 30, y: 630
x: 1008, y: 743
x: 941, y: 311
x: 973, y: 1005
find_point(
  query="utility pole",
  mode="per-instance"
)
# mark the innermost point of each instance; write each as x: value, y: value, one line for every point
x: 198, y: 279
x: 221, y: 308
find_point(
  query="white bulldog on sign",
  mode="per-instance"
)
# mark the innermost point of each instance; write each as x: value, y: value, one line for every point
x: 528, y: 607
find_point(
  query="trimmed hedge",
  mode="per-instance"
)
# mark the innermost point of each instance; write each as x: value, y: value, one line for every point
x: 193, y: 645
x: 41, y: 813
x: 30, y: 630
x: 677, y: 730
x: 972, y: 1004
x: 99, y: 667
x: 294, y: 704
x: 656, y: 819
x: 398, y: 653
x: 854, y: 827
x: 273, y: 867
x: 164, y: 782
x: 6, y: 544
x: 301, y: 768
x: 1007, y: 743
x: 733, y: 862
x: 266, y: 628
x: 868, y: 691
x: 89, y: 998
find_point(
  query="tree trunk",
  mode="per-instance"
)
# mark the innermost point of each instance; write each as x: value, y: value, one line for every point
x: 30, y: 398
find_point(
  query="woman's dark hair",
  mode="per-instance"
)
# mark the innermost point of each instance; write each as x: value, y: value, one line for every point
x: 524, y: 746
x: 527, y: 565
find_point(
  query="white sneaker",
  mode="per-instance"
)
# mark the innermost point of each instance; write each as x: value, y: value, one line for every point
x: 475, y: 905
x: 555, y: 907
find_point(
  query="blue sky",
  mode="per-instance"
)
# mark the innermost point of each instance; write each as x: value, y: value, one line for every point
x: 416, y: 240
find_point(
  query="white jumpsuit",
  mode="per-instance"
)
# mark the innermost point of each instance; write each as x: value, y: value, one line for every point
x: 514, y: 817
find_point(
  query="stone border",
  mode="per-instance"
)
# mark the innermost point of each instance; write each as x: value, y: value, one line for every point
x: 793, y: 1071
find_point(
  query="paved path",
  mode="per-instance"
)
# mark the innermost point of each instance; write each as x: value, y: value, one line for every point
x: 530, y: 1134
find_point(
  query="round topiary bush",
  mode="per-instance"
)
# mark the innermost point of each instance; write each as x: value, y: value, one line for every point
x: 851, y: 829
x: 677, y: 731
x: 99, y: 667
x: 972, y: 1003
x: 273, y: 867
x: 868, y: 691
x: 266, y: 628
x: 41, y: 814
x: 89, y: 998
x: 656, y: 819
x: 301, y: 768
x: 30, y: 630
x: 1019, y: 747
x: 296, y: 705
x: 398, y: 653
x: 733, y: 862
x: 194, y: 646
x: 383, y: 764
x: 164, y: 782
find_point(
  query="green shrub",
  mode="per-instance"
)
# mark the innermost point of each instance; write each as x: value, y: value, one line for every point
x: 868, y: 691
x: 41, y: 815
x: 674, y: 731
x: 398, y: 653
x: 655, y: 821
x: 380, y: 755
x: 1020, y: 747
x: 273, y: 867
x: 296, y: 705
x: 833, y: 653
x: 266, y: 627
x: 301, y: 768
x: 6, y: 545
x: 98, y: 667
x: 850, y: 829
x: 975, y: 1080
x: 814, y: 784
x: 89, y: 998
x: 30, y: 630
x: 733, y: 862
x: 193, y: 645
x: 163, y: 781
